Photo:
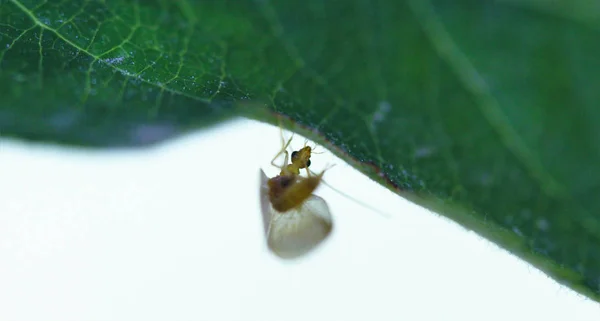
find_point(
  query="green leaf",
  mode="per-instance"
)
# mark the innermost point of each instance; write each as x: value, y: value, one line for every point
x: 485, y: 112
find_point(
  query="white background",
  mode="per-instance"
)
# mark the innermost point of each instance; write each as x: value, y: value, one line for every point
x: 174, y: 232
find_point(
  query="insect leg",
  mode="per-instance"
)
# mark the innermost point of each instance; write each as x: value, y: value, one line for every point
x: 283, y: 150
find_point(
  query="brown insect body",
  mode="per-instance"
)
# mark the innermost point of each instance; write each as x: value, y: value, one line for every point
x: 290, y: 191
x: 295, y: 221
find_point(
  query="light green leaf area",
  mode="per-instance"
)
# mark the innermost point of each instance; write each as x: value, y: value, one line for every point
x: 485, y: 111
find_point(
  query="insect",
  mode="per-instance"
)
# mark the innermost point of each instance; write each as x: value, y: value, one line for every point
x: 295, y: 221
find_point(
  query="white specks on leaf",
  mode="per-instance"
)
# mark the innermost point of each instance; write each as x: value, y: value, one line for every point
x: 44, y: 20
x: 486, y: 179
x: 114, y: 60
x: 542, y: 224
x: 517, y: 231
x: 425, y: 151
x: 127, y: 73
x: 383, y: 109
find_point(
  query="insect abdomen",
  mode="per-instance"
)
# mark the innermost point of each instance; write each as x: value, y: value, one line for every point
x: 285, y: 198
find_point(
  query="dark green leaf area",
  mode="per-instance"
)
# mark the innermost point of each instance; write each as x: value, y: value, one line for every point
x: 486, y: 111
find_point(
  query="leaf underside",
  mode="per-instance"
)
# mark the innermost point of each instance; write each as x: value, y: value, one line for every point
x: 484, y: 111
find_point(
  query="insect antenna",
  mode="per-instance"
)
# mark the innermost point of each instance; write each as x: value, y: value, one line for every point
x: 363, y: 204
